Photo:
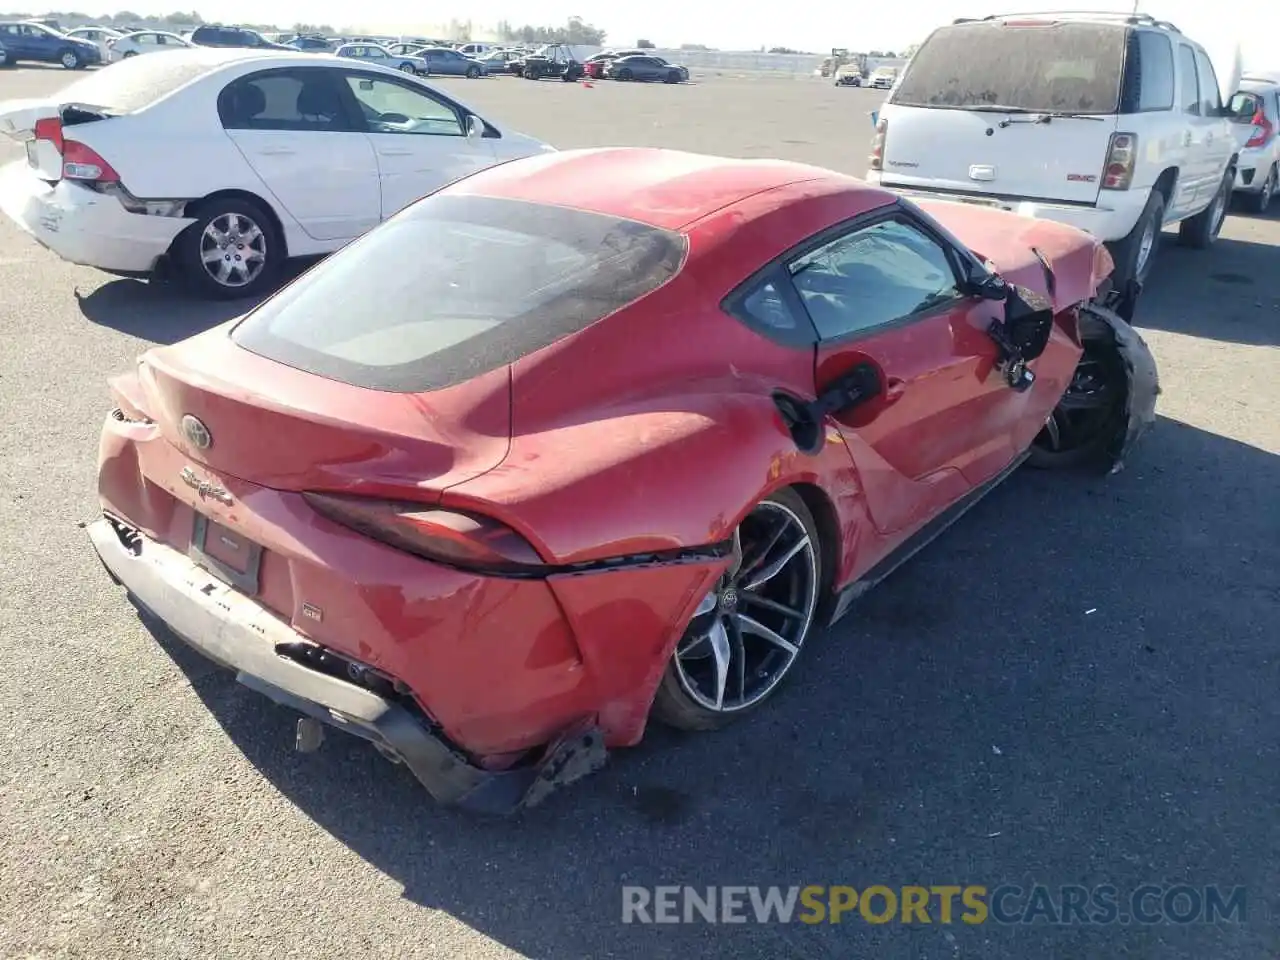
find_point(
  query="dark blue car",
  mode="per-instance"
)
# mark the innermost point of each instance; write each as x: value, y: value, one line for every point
x: 23, y: 40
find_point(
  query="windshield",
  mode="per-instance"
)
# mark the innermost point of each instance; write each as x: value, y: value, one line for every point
x: 456, y: 286
x: 1046, y: 68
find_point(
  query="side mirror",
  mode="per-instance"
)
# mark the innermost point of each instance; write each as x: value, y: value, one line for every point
x: 475, y: 127
x: 988, y: 286
x: 1022, y: 335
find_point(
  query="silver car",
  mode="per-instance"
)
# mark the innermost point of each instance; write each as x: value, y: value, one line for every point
x: 372, y: 53
x: 1257, y: 103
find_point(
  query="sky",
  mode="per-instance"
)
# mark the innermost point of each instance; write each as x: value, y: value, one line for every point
x: 816, y: 25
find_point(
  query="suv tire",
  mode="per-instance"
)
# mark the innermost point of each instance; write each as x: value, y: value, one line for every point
x: 1135, y: 254
x: 1200, y: 231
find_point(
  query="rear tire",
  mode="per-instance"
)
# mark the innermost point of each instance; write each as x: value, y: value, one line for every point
x: 1136, y: 253
x: 1260, y: 202
x: 749, y: 631
x: 1202, y: 230
x: 234, y: 237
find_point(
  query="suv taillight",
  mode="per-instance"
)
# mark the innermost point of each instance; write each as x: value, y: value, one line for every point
x: 1122, y: 155
x: 877, y: 144
x: 78, y: 161
x: 1263, y: 130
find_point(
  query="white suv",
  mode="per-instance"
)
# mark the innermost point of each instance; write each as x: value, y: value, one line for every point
x: 1114, y: 124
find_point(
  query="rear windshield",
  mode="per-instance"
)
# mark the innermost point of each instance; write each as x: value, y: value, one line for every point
x: 134, y: 83
x: 456, y: 286
x: 1055, y: 67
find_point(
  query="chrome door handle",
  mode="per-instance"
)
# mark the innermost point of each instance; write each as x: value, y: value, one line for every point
x: 277, y: 152
x: 395, y: 153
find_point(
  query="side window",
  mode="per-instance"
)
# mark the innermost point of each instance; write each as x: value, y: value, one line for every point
x: 1188, y: 85
x: 1210, y: 96
x: 304, y: 101
x: 1155, y: 88
x: 873, y: 276
x: 390, y: 107
x: 766, y: 306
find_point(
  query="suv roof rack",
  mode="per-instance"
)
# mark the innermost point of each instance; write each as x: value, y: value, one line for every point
x: 1134, y: 19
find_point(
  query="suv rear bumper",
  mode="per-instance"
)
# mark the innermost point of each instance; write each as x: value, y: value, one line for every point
x: 236, y: 632
x: 1112, y: 218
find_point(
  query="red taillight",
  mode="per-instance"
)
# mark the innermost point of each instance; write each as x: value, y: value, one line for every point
x: 1122, y: 156
x: 50, y: 129
x: 451, y: 537
x: 81, y: 163
x: 78, y: 161
x: 1263, y: 130
x: 877, y: 144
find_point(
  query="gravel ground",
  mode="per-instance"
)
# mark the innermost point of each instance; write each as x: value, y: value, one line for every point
x: 1077, y: 684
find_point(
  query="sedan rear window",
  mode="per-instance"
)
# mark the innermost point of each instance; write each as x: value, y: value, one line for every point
x: 456, y: 286
x: 134, y: 83
x: 1045, y: 68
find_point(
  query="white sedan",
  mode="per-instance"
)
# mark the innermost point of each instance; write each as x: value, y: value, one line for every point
x: 100, y: 37
x: 145, y: 41
x: 223, y: 163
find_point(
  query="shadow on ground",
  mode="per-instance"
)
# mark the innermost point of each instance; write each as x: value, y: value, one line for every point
x: 1056, y: 691
x: 164, y: 311
x: 1228, y: 292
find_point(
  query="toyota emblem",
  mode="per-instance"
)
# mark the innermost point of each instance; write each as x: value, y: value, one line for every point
x: 196, y: 433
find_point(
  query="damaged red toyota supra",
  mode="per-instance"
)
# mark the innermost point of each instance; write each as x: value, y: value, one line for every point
x: 595, y: 437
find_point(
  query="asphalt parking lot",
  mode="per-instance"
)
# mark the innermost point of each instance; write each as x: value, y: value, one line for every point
x: 1076, y: 685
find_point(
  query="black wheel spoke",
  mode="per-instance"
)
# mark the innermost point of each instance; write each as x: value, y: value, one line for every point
x: 738, y: 649
x: 757, y: 600
x: 760, y: 553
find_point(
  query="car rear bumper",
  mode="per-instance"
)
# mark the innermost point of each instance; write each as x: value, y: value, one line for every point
x: 1252, y: 169
x: 83, y: 226
x: 238, y: 633
x: 1111, y: 219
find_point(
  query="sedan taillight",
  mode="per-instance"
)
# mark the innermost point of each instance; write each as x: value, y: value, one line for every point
x: 78, y: 161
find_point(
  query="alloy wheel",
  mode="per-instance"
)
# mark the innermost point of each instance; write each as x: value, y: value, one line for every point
x: 70, y: 60
x: 747, y: 633
x: 233, y: 250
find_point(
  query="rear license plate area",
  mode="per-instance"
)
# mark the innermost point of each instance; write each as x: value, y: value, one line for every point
x: 227, y: 555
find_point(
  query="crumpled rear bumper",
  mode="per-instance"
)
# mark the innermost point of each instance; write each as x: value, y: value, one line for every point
x: 236, y: 632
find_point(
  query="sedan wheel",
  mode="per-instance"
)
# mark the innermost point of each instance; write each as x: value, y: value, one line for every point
x: 70, y: 59
x: 748, y: 632
x: 407, y: 68
x: 232, y: 251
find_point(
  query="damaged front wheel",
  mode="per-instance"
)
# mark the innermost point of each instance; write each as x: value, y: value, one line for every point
x: 1110, y: 401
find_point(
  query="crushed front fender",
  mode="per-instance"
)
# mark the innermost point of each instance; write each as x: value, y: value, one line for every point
x: 1143, y: 378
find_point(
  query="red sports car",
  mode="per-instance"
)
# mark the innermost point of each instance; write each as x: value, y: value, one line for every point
x: 593, y: 437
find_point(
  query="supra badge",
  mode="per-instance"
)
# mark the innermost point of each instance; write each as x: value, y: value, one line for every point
x: 206, y: 489
x: 196, y: 433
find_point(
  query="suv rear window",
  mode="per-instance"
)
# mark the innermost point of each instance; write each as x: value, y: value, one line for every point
x: 1045, y: 68
x: 456, y: 286
x: 134, y: 83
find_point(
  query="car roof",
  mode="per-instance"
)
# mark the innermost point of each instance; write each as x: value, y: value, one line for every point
x: 669, y: 189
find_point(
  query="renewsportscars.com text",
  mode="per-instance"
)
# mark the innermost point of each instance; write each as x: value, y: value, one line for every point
x: 945, y: 904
